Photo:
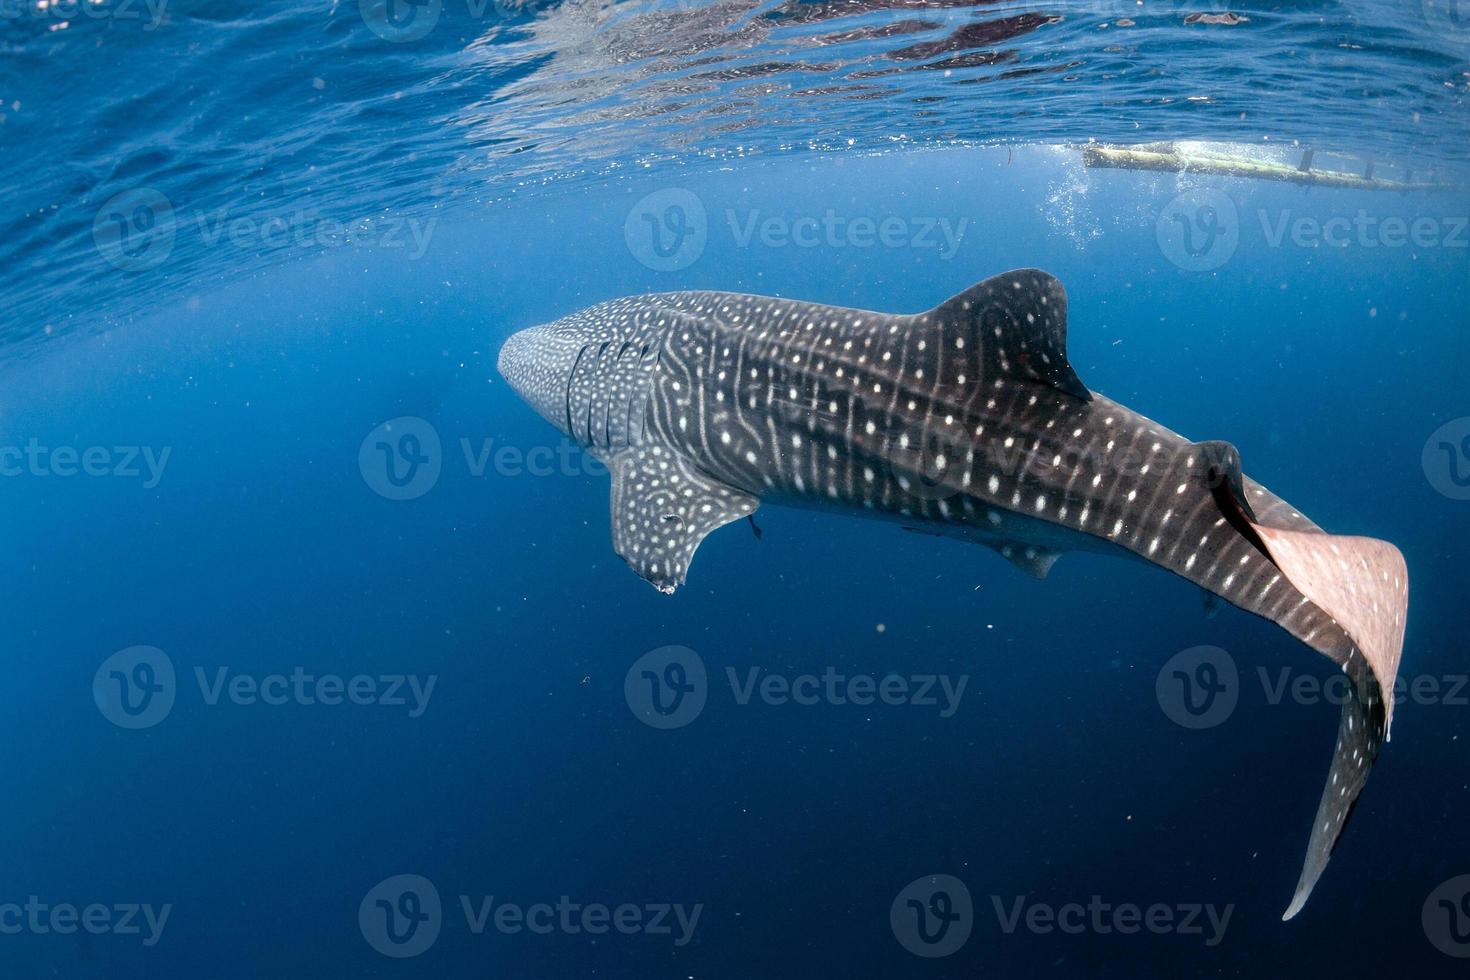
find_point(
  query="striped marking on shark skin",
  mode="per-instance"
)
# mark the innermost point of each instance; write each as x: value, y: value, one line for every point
x: 964, y: 420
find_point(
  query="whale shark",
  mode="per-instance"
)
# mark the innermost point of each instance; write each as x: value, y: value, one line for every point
x: 965, y: 420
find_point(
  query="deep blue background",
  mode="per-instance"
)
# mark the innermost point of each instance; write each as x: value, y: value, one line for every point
x: 528, y: 778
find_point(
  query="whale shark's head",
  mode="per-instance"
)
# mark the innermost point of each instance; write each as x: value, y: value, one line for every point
x: 538, y: 363
x: 590, y: 374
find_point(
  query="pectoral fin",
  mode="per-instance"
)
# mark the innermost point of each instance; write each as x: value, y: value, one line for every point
x: 663, y: 507
x: 1032, y: 560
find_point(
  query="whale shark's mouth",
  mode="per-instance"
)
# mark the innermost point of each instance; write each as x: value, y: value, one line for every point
x: 538, y: 363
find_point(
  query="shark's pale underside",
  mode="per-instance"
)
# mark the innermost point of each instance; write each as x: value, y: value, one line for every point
x: 965, y: 420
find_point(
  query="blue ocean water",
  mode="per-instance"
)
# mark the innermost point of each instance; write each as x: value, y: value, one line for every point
x: 284, y: 703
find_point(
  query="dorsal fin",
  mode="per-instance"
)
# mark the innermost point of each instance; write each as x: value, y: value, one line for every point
x: 1019, y: 323
x: 1219, y: 465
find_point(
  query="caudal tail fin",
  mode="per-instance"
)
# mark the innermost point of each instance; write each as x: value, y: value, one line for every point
x: 1362, y: 584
